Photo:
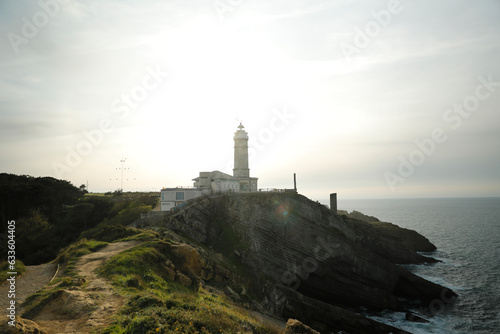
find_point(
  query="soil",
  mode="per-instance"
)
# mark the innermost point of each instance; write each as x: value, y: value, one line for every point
x: 86, y: 308
x: 35, y: 278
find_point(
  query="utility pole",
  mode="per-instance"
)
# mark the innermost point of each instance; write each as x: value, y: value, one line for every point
x: 122, y: 168
x: 295, y: 182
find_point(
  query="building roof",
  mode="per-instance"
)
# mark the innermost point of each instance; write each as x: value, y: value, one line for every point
x: 180, y: 189
x: 215, y: 175
x: 241, y: 134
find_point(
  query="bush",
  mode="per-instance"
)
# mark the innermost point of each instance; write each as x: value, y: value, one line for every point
x: 109, y: 232
x: 83, y: 247
x: 5, y: 267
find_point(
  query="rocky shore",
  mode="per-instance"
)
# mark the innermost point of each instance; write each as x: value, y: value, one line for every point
x: 258, y: 260
x: 303, y: 261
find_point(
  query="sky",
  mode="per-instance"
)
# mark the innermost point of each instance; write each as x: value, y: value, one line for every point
x: 368, y: 99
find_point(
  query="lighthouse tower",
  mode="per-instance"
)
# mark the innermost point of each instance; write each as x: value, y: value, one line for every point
x: 241, y: 169
x: 241, y: 172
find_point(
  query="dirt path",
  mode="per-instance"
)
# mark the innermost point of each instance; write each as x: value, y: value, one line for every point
x: 87, y: 267
x: 35, y: 278
x: 85, y: 309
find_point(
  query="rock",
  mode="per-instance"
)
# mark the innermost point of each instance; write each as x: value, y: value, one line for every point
x: 183, y: 279
x: 410, y: 316
x: 331, y: 261
x: 192, y: 258
x: 231, y: 294
x: 296, y: 327
x: 235, y: 298
x: 325, y: 317
x: 170, y: 273
x: 70, y: 304
x: 398, y: 245
x: 169, y: 264
x: 207, y: 274
x: 22, y: 326
x: 228, y: 291
x: 360, y: 216
x: 78, y: 281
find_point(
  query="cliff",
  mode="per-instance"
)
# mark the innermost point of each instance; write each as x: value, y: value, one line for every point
x: 235, y: 263
x: 303, y: 261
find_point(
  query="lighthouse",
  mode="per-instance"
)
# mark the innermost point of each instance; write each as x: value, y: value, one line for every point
x: 241, y: 169
x: 241, y: 172
x: 240, y: 181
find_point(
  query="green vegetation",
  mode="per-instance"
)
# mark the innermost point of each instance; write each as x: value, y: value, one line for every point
x: 157, y: 304
x: 4, y: 268
x: 34, y: 303
x: 50, y: 214
x: 140, y: 267
x: 109, y: 232
x: 68, y: 256
x: 184, y: 312
x: 55, y: 220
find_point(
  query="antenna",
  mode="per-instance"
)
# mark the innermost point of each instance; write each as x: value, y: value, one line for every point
x: 122, y: 168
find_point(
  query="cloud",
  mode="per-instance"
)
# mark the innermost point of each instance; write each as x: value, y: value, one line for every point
x: 354, y: 118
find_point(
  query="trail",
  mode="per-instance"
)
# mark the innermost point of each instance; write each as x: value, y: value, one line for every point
x: 90, y: 307
x: 35, y: 278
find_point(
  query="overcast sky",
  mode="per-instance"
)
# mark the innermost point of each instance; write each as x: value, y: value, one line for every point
x: 364, y: 98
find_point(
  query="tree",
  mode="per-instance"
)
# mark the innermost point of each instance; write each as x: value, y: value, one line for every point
x: 32, y: 234
x: 83, y: 189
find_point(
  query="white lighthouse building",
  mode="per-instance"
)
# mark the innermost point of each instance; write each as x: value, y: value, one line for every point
x: 241, y: 153
x: 241, y: 170
x: 216, y: 181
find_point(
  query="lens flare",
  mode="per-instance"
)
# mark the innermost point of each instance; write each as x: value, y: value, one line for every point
x: 283, y: 210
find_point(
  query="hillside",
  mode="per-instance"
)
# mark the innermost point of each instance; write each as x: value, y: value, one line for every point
x: 137, y: 283
x: 308, y: 263
x: 234, y: 263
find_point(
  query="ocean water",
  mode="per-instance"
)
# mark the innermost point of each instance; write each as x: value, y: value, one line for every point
x: 466, y: 232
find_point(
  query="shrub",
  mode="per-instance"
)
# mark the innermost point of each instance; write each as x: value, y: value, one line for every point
x: 19, y: 268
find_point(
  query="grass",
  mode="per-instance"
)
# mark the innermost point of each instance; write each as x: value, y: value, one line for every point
x: 200, y: 312
x: 96, y: 195
x: 156, y: 304
x: 143, y: 236
x: 69, y: 255
x: 140, y: 267
x: 36, y: 302
x: 5, y: 267
x: 109, y: 232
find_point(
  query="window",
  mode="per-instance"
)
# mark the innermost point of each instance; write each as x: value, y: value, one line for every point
x: 179, y: 196
x: 162, y: 196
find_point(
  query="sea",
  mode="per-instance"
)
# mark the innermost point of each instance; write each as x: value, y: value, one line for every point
x: 466, y: 232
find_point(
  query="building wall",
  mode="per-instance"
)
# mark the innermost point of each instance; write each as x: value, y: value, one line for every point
x: 225, y: 185
x: 203, y: 181
x: 248, y: 184
x: 172, y: 197
x: 167, y: 206
x: 241, y: 153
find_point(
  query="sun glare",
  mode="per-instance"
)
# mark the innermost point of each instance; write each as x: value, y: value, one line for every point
x: 216, y: 71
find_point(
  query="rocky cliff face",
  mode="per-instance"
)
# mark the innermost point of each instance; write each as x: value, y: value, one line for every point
x: 302, y: 257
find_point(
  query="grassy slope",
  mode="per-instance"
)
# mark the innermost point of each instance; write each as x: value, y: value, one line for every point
x: 154, y: 304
